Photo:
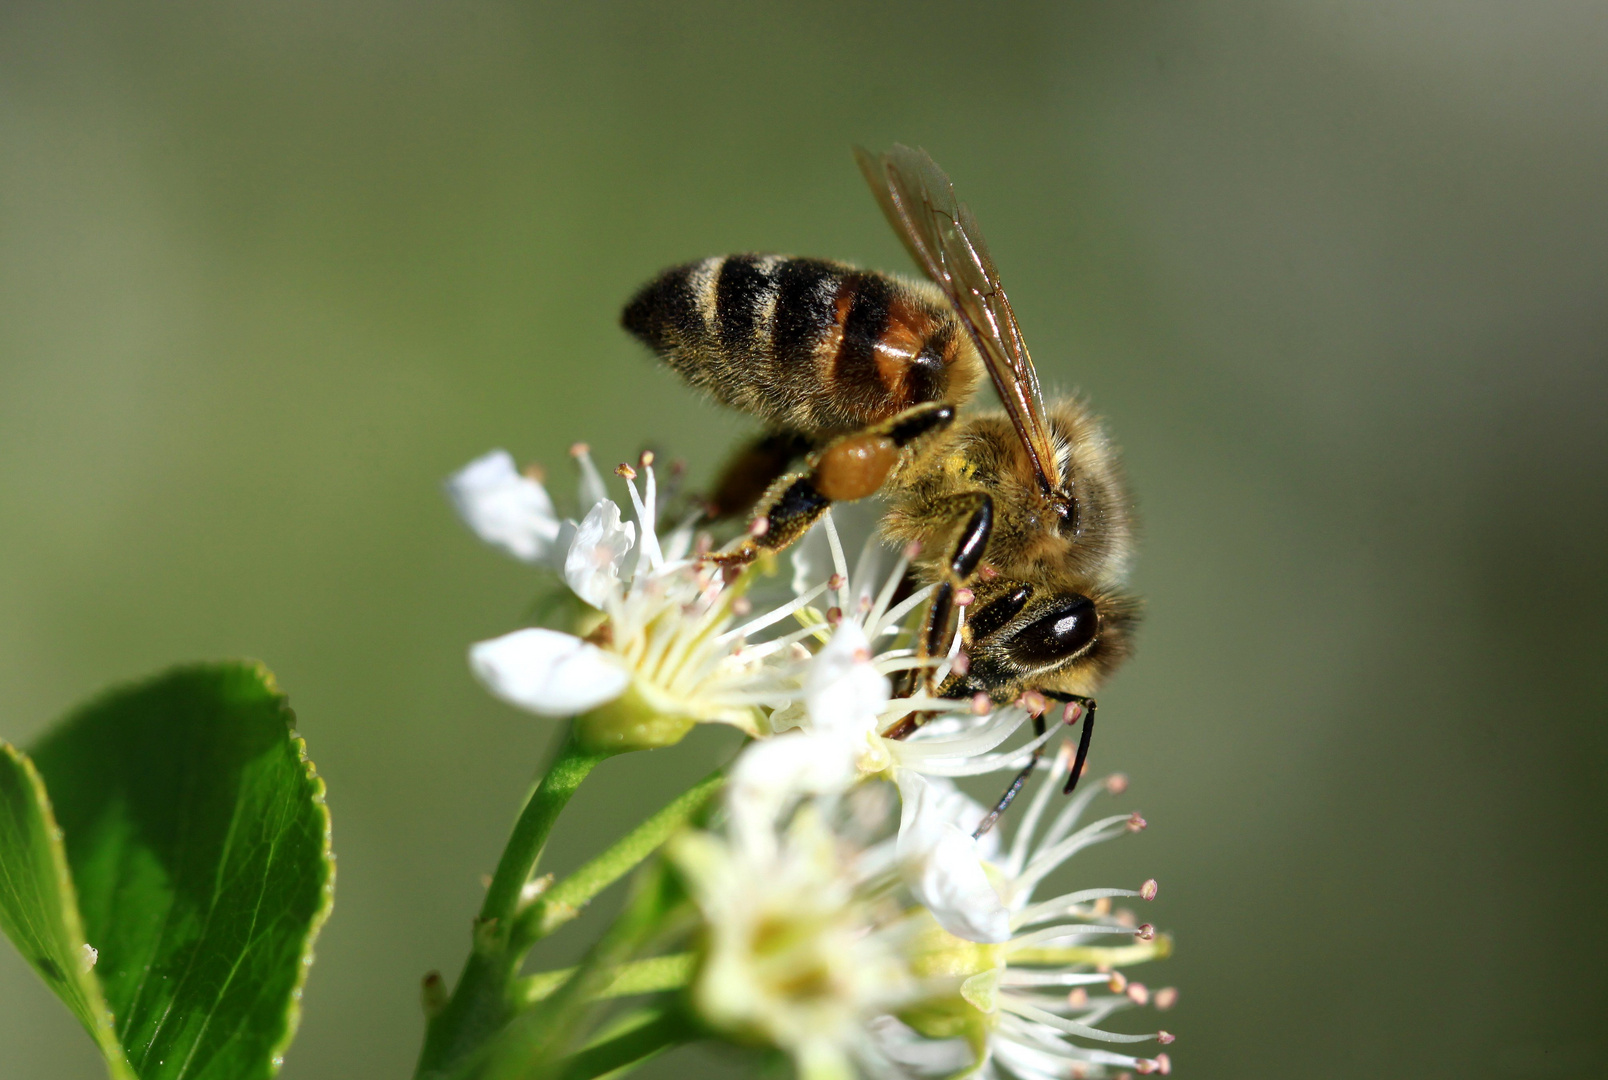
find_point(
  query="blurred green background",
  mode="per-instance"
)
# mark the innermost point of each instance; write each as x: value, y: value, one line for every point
x: 1335, y: 273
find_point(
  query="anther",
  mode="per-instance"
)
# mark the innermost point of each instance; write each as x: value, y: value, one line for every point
x: 1144, y: 1067
x: 834, y: 615
x: 1116, y: 783
x: 835, y: 582
x: 1164, y: 1064
x: 703, y: 545
x: 1078, y: 998
x: 1118, y: 983
x: 1164, y: 1037
x: 1072, y: 713
x: 647, y: 459
x: 1148, y: 890
x: 579, y: 449
x: 1065, y: 755
x: 1080, y: 1070
x: 1125, y: 917
x: 742, y: 606
x: 1135, y: 822
x: 1166, y: 998
x: 964, y: 597
x: 1034, y: 702
x: 862, y: 656
x: 678, y: 468
x: 625, y: 471
x: 1138, y: 994
x: 912, y: 549
x: 960, y: 664
x: 1146, y: 932
x: 981, y: 706
x: 759, y: 526
x: 535, y: 472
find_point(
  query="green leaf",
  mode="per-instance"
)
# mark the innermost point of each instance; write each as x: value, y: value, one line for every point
x: 38, y: 910
x: 197, y: 838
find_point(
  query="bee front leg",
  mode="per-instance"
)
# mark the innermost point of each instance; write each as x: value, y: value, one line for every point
x: 849, y: 467
x: 964, y: 558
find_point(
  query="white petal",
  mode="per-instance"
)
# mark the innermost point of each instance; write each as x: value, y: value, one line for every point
x: 592, y: 567
x: 843, y: 691
x: 547, y: 672
x: 772, y: 774
x: 943, y: 867
x: 505, y: 508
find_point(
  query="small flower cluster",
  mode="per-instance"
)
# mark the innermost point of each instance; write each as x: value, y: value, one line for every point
x: 851, y: 916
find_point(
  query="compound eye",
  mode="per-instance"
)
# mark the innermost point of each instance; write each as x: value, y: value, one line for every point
x: 1060, y: 633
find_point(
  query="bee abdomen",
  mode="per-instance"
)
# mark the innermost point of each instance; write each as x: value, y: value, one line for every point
x: 806, y: 344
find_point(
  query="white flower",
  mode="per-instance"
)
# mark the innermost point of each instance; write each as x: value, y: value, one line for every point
x: 846, y: 687
x: 943, y: 863
x: 592, y: 563
x: 547, y: 672
x: 658, y: 657
x: 801, y: 947
x: 1024, y: 1006
x: 506, y: 508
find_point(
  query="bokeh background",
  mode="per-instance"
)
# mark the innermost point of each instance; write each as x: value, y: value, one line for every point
x: 1334, y: 271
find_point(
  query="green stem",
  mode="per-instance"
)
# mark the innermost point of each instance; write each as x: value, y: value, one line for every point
x: 564, y: 901
x: 640, y: 977
x: 655, y: 1034
x: 534, y: 1045
x: 480, y: 1004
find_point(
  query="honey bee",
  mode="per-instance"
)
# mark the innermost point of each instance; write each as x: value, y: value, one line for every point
x: 1021, y: 518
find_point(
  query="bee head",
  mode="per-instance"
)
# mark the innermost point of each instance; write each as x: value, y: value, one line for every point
x: 1047, y: 636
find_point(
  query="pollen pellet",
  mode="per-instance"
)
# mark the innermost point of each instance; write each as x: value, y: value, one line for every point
x: 855, y: 467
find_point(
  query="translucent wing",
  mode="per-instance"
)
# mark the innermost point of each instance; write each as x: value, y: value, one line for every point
x: 943, y: 238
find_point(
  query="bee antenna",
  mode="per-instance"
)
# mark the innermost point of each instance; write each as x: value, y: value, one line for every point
x: 1083, y: 748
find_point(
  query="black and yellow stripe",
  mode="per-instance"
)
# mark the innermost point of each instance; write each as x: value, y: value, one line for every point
x: 806, y: 344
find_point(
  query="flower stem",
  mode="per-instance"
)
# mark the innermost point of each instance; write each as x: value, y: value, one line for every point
x: 639, y: 977
x: 480, y: 1004
x: 655, y: 1033
x: 564, y: 901
x: 535, y: 1044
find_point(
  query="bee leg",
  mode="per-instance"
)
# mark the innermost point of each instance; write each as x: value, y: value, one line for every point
x: 964, y: 559
x: 750, y: 472
x: 1089, y: 705
x: 849, y: 467
x: 1006, y: 799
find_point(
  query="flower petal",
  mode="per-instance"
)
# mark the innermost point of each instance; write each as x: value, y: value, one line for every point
x: 505, y: 508
x: 943, y: 867
x: 547, y: 672
x: 592, y: 567
x: 844, y: 691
